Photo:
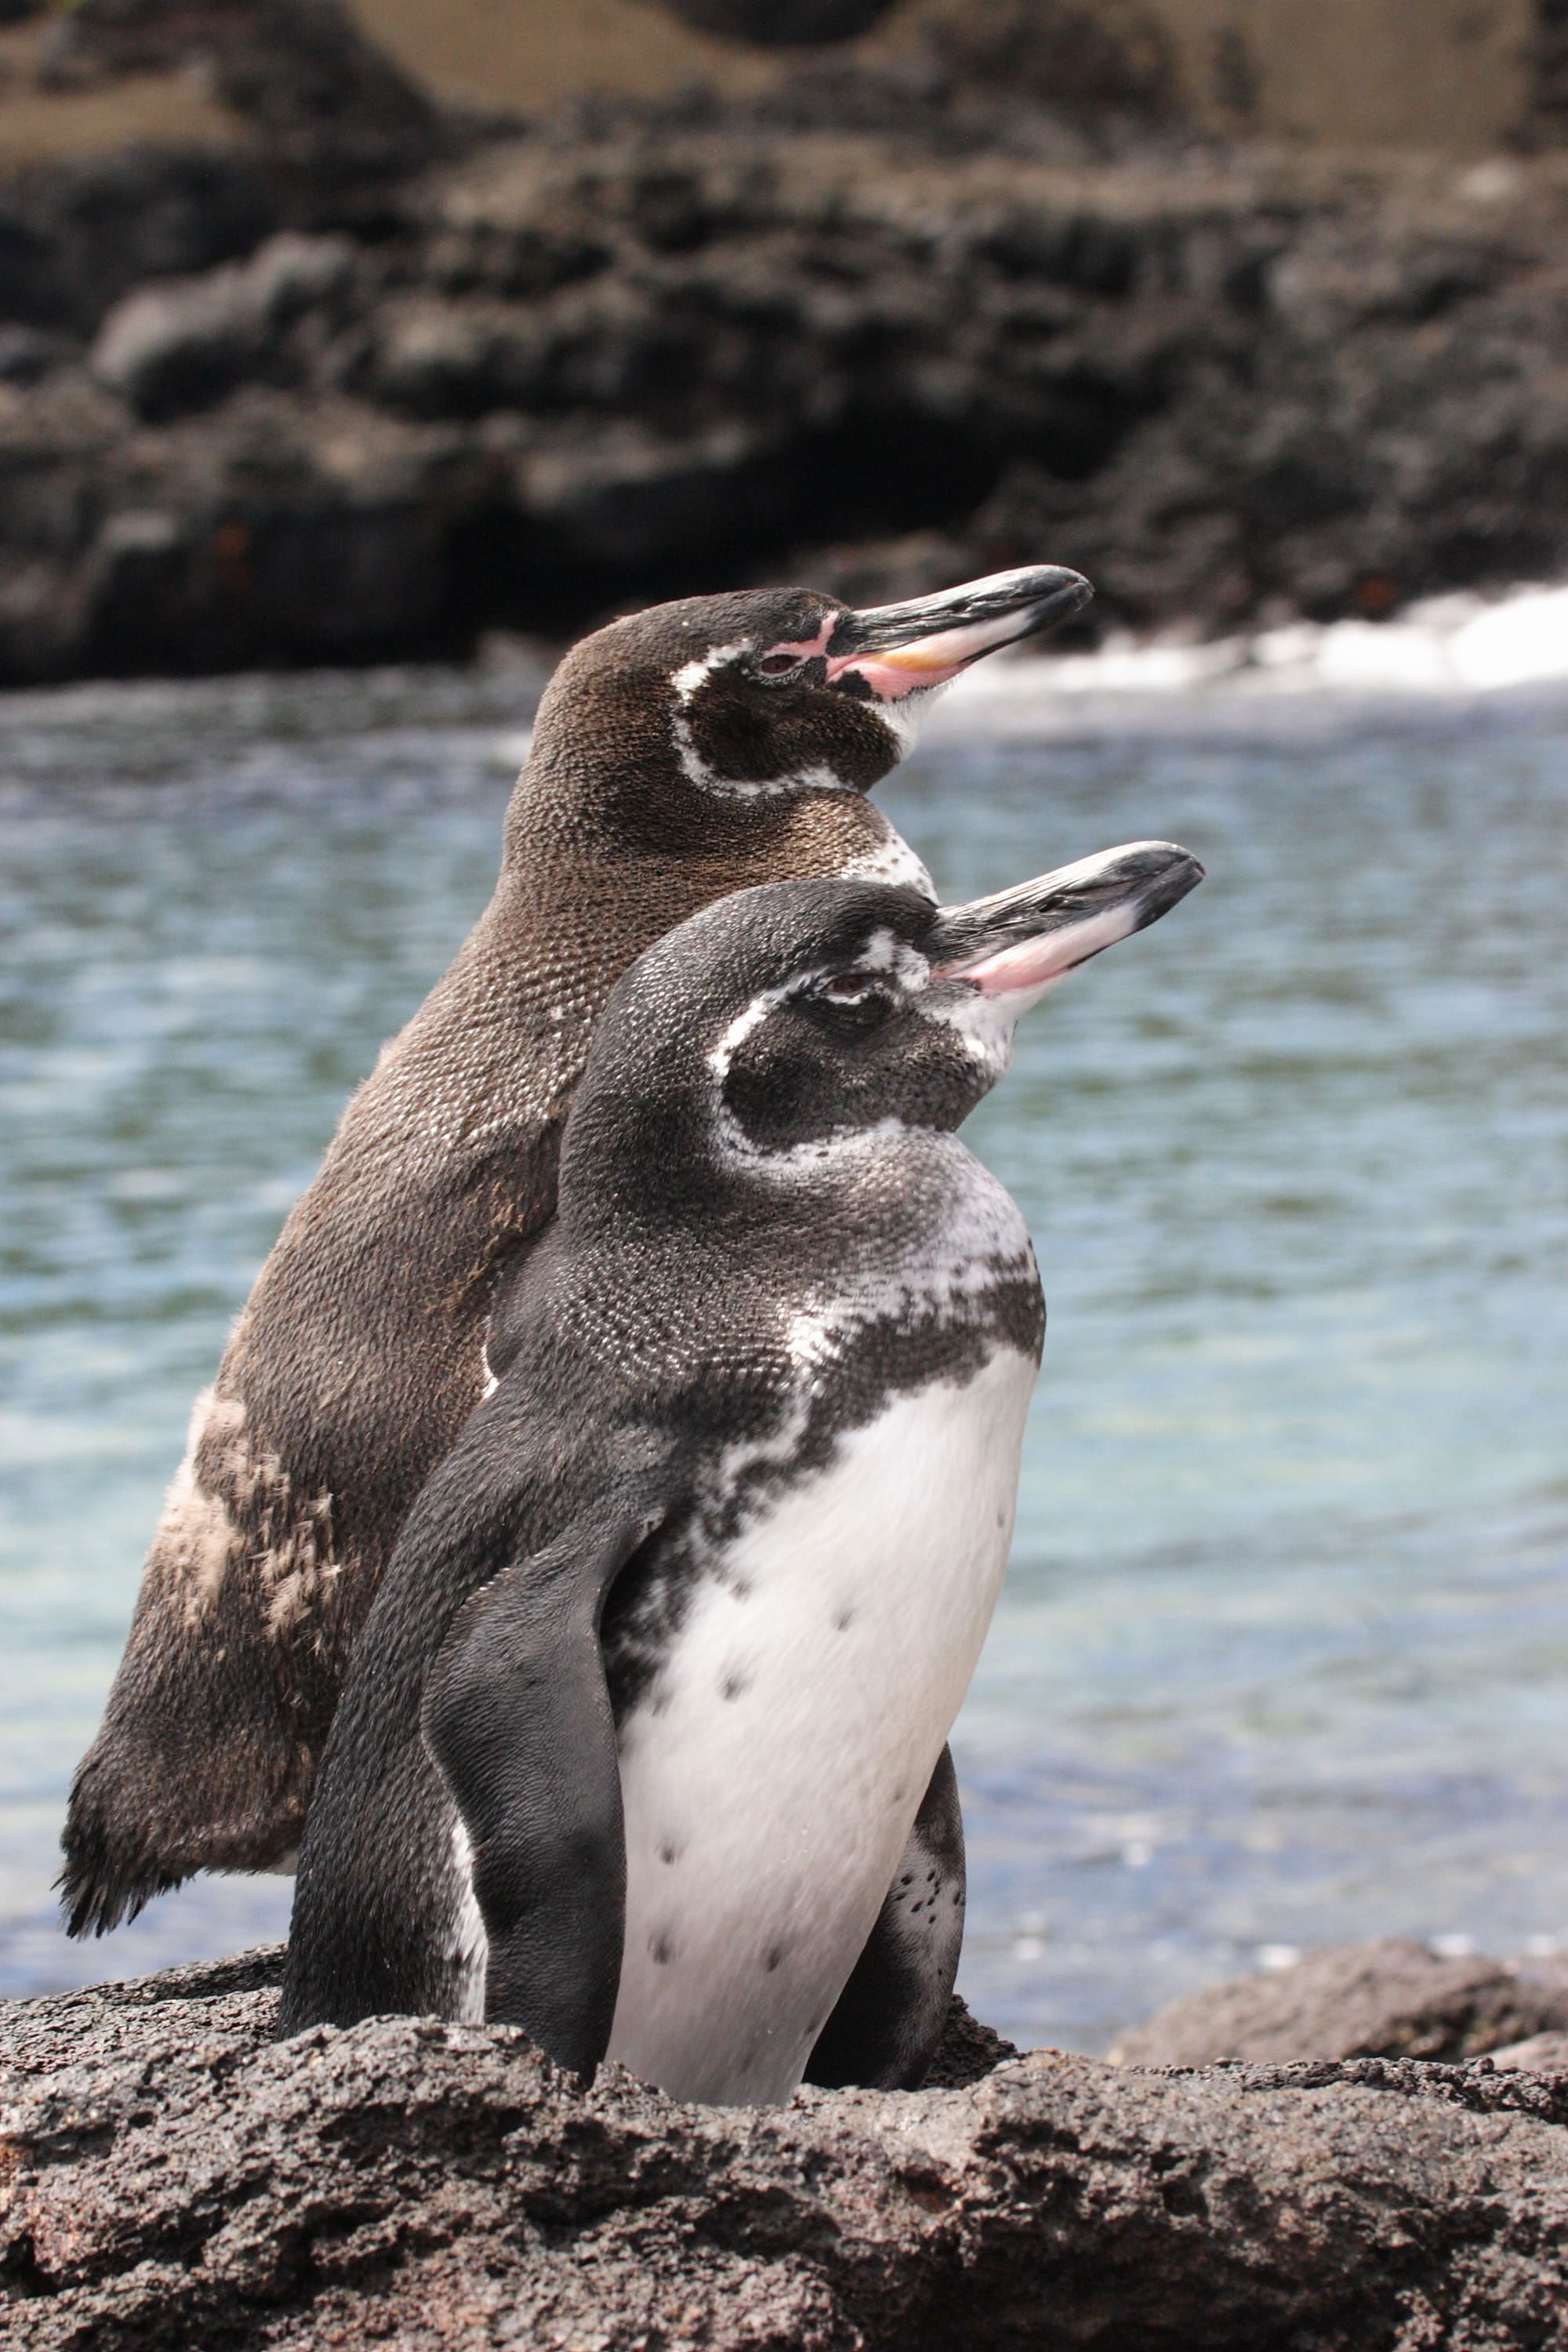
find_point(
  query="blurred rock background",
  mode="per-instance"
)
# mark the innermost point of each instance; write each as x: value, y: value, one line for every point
x: 333, y: 333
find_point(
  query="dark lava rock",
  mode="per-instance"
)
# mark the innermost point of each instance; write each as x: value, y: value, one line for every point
x: 765, y: 24
x: 324, y: 99
x: 1110, y: 57
x: 647, y: 351
x: 170, y: 2177
x: 27, y: 354
x: 179, y: 346
x: 1390, y: 1999
x: 76, y: 236
x: 282, y: 531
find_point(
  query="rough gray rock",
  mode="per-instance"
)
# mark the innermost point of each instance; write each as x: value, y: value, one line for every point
x: 284, y: 530
x: 27, y: 354
x: 74, y: 236
x: 641, y: 351
x: 168, y: 2177
x: 1390, y: 1999
x: 1542, y: 2053
x: 1110, y: 57
x: 329, y: 103
x: 169, y: 350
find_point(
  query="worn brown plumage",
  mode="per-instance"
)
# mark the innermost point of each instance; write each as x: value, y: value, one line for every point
x: 666, y: 770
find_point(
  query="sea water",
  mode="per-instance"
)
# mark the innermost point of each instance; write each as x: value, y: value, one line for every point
x: 1283, y: 1654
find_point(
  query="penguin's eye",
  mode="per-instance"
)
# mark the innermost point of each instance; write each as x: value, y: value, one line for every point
x: 778, y: 664
x: 852, y: 999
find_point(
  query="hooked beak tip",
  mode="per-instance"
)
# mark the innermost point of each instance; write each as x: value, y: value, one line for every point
x: 896, y: 649
x: 1023, y: 942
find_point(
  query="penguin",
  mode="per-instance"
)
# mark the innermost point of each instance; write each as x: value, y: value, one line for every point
x: 670, y: 1645
x: 678, y: 754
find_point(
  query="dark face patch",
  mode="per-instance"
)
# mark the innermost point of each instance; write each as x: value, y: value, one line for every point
x: 775, y: 1018
x: 677, y: 730
x: 751, y: 730
x: 849, y: 1051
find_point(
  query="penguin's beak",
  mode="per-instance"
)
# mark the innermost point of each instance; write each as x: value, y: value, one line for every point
x: 898, y: 649
x: 1011, y: 949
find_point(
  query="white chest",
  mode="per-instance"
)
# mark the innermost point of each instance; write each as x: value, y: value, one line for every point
x: 771, y: 1774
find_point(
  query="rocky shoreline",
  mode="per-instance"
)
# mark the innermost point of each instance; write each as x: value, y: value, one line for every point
x: 171, y: 2175
x: 875, y: 334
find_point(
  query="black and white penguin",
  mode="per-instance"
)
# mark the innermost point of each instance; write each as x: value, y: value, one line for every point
x: 678, y: 755
x: 672, y: 1641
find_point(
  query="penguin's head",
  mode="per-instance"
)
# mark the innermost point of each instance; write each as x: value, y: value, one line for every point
x: 782, y: 1023
x: 770, y: 693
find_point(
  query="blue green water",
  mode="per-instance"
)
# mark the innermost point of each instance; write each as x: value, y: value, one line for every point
x: 1283, y: 1656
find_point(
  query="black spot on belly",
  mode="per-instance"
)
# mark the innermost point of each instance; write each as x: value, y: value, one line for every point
x: 776, y: 1956
x: 669, y: 1853
x: 661, y: 1948
x: 842, y: 1619
x: 736, y: 1683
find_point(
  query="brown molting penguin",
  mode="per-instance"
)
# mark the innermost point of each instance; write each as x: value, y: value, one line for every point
x: 683, y: 754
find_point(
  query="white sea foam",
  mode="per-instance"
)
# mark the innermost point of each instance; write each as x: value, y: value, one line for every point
x: 1448, y: 648
x: 511, y: 751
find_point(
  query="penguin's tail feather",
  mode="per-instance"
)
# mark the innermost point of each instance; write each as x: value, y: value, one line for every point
x: 122, y: 1848
x: 106, y: 1880
x: 144, y: 1816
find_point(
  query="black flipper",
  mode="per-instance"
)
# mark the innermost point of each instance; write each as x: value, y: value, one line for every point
x: 474, y: 1746
x: 884, y: 2031
x: 516, y: 1716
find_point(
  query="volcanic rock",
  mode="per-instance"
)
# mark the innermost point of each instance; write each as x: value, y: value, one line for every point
x: 770, y: 27
x: 1110, y: 57
x: 1390, y: 1999
x: 1542, y: 2053
x: 76, y: 236
x: 640, y: 351
x: 170, y: 349
x: 327, y: 101
x: 169, y: 2176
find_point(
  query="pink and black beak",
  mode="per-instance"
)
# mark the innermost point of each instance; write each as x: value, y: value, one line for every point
x: 1006, y: 951
x: 893, y: 650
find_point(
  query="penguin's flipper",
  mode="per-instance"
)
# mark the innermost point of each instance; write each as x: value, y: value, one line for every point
x: 888, y: 2019
x: 516, y: 1716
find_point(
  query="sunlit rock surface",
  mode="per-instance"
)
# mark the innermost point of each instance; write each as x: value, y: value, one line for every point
x: 1390, y: 1999
x: 172, y: 2177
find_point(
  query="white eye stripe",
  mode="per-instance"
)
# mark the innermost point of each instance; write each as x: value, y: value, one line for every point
x: 742, y: 1026
x: 692, y: 673
x: 816, y: 776
x: 887, y: 965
